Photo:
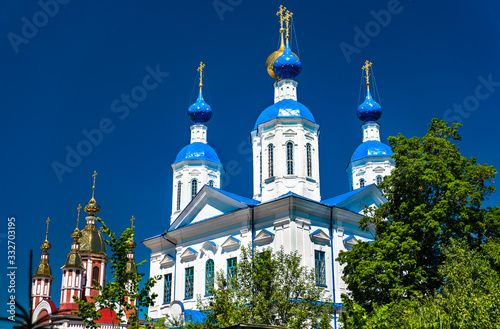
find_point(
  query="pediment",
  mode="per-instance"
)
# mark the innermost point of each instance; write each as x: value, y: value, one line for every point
x: 309, y: 136
x: 320, y: 236
x: 379, y: 169
x: 208, y: 203
x: 290, y: 132
x: 350, y: 241
x: 264, y: 236
x: 168, y: 260
x: 231, y: 243
x: 189, y: 253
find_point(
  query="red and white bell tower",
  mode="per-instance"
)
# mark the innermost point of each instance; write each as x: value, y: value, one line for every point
x: 72, y: 272
x: 42, y: 279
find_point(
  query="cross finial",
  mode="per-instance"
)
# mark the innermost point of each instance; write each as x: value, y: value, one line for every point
x: 280, y: 14
x: 366, y: 68
x: 200, y: 69
x: 47, y: 232
x: 78, y: 217
x: 132, y: 220
x: 287, y: 17
x: 93, y: 185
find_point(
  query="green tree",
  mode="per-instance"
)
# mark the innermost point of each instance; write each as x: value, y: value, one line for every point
x: 434, y: 194
x: 269, y: 288
x: 124, y: 288
x: 468, y: 298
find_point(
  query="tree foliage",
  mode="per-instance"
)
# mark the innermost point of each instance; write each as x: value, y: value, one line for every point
x: 269, y: 288
x: 434, y: 195
x: 124, y: 287
x: 468, y: 298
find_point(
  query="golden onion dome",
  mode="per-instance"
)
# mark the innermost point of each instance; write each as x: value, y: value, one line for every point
x: 92, y: 241
x: 45, y: 245
x: 270, y: 60
x: 76, y: 234
x: 92, y: 207
x: 131, y: 244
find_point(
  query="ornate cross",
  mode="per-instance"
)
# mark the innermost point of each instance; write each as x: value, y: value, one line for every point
x: 366, y: 67
x: 47, y: 232
x: 200, y: 69
x: 280, y: 14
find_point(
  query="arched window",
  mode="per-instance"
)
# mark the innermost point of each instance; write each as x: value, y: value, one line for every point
x: 289, y: 158
x: 379, y: 179
x: 209, y: 277
x: 270, y: 156
x: 194, y: 188
x: 309, y: 160
x: 179, y: 190
x: 361, y: 182
x: 211, y: 183
x: 95, y: 274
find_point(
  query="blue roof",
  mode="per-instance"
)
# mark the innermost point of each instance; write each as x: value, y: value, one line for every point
x: 200, y: 112
x: 342, y: 197
x: 371, y: 149
x: 348, y: 238
x: 237, y: 197
x: 197, y: 151
x: 369, y: 110
x: 287, y: 66
x: 194, y: 315
x: 286, y: 108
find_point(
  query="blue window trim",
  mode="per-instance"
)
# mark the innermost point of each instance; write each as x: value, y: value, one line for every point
x: 320, y: 268
x: 189, y: 283
x: 167, y: 288
x: 209, y: 276
x: 231, y: 267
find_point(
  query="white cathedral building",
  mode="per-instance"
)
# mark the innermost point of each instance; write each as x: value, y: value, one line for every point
x: 209, y: 225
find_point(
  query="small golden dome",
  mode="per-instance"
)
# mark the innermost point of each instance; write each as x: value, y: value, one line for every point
x: 131, y: 244
x: 92, y: 207
x: 76, y: 234
x: 92, y: 241
x: 45, y: 245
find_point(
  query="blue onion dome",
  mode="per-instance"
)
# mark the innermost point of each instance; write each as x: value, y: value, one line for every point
x: 369, y: 110
x: 197, y: 151
x: 200, y: 112
x: 371, y: 149
x: 288, y: 65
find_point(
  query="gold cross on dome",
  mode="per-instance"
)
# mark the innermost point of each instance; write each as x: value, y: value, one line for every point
x: 78, y: 217
x: 47, y: 232
x: 288, y: 15
x: 366, y: 68
x: 280, y: 14
x: 93, y: 185
x: 132, y: 220
x: 200, y: 69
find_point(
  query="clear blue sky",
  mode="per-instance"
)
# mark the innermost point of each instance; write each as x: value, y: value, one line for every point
x: 64, y: 74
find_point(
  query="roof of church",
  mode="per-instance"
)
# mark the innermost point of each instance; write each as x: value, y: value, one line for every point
x: 286, y: 108
x: 237, y: 197
x: 371, y: 149
x: 333, y: 201
x: 197, y: 151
